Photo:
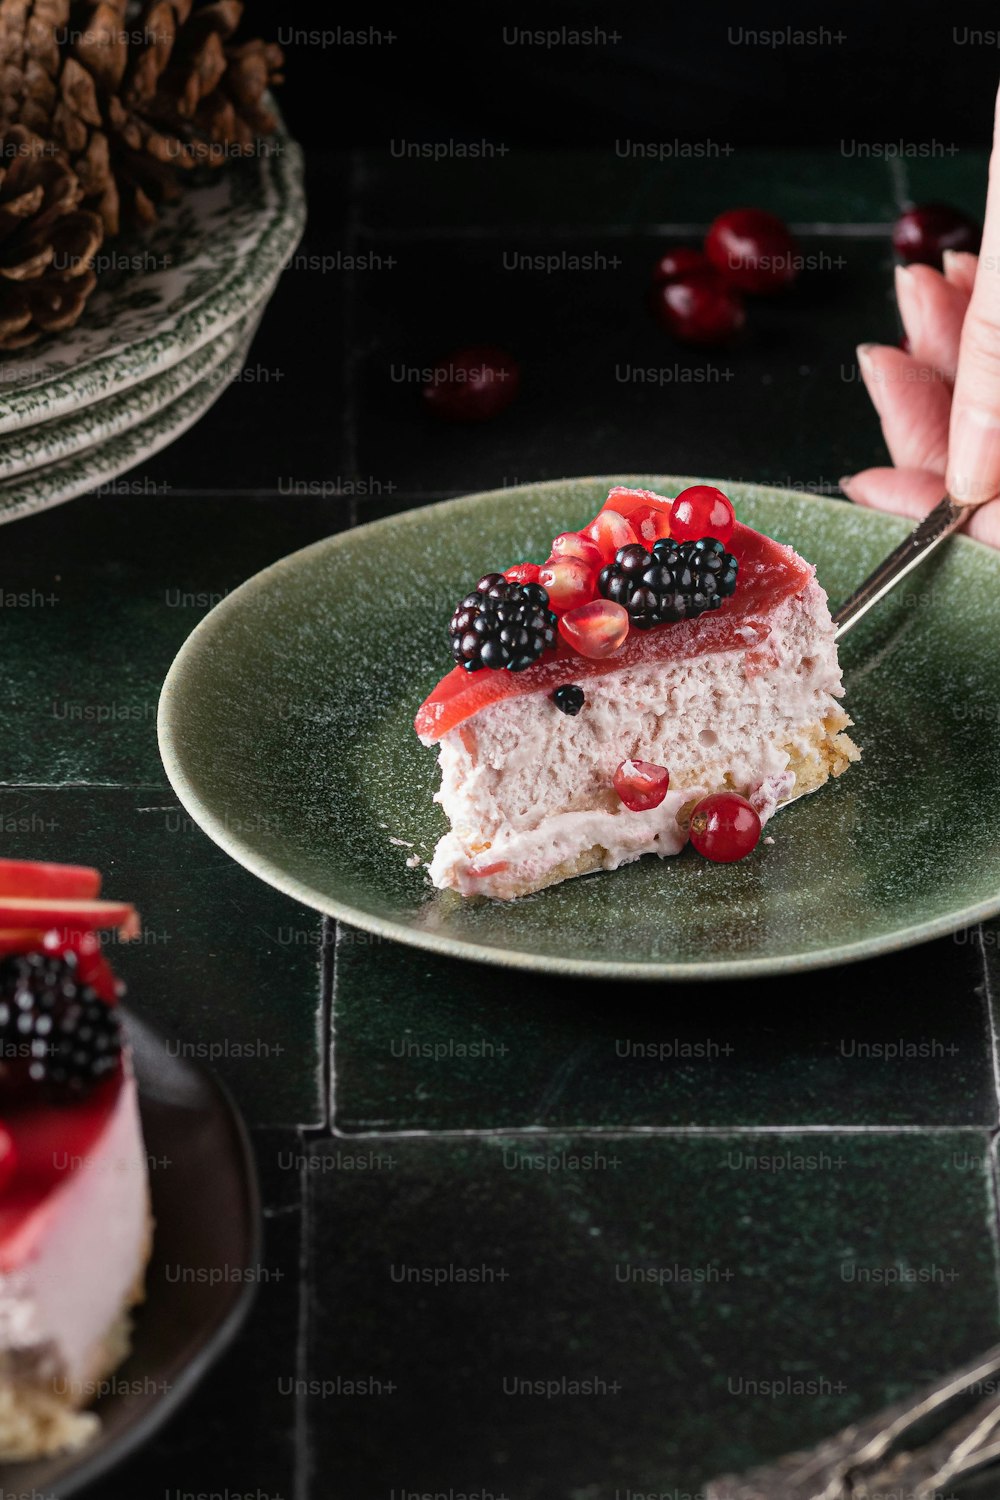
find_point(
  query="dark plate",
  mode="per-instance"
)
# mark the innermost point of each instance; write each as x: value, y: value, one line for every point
x: 207, y: 1211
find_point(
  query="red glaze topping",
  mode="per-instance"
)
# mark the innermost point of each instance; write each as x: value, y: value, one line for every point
x: 769, y: 573
x: 50, y: 1143
x: 42, y: 1144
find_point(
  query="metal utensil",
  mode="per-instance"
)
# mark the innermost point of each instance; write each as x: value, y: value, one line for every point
x: 941, y: 1438
x: 924, y: 539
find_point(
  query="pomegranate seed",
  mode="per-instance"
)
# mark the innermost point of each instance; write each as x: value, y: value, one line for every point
x: 753, y: 249
x: 641, y: 784
x: 568, y: 582
x: 924, y: 233
x: 647, y: 513
x: 597, y: 629
x: 700, y: 308
x: 523, y: 573
x: 8, y: 1157
x: 575, y: 544
x: 702, y: 510
x: 472, y: 385
x: 724, y: 827
x: 679, y: 262
x: 651, y: 523
x: 610, y: 531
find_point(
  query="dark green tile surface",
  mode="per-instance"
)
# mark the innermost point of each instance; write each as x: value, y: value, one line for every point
x: 201, y: 1448
x: 425, y: 1043
x: 726, y: 1307
x: 786, y: 406
x: 629, y: 183
x: 106, y: 589
x: 947, y: 175
x: 226, y: 967
x: 232, y: 969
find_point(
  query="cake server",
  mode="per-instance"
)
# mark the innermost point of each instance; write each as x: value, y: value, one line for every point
x: 924, y: 539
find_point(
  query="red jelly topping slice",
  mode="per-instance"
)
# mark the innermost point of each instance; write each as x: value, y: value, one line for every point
x: 769, y: 573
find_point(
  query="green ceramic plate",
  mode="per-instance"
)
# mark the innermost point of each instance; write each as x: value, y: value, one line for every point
x: 286, y: 730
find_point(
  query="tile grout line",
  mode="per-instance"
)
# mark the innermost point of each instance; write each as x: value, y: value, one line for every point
x: 327, y: 980
x: 413, y: 233
x: 541, y: 1133
x: 350, y: 359
x: 329, y: 1044
x: 993, y: 1190
x: 993, y: 1180
x: 302, y: 1460
x: 991, y: 1021
x: 899, y: 181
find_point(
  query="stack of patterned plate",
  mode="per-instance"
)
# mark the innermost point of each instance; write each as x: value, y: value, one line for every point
x: 161, y: 338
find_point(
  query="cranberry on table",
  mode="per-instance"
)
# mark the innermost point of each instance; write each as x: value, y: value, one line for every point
x: 641, y: 784
x: 702, y: 510
x: 679, y: 262
x: 472, y: 384
x: 922, y: 234
x: 753, y: 249
x: 725, y: 827
x: 700, y: 308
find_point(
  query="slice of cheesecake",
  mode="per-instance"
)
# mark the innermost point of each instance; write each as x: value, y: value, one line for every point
x: 734, y: 691
x: 75, y: 1225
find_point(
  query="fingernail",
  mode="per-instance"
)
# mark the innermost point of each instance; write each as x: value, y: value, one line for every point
x: 909, y: 302
x: 845, y: 484
x: 974, y: 456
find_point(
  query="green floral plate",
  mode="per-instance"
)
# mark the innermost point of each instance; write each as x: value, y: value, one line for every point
x: 286, y: 730
x: 101, y: 463
x: 165, y: 294
x: 47, y: 442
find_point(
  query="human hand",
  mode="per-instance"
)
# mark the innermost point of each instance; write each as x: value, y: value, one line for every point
x: 939, y: 404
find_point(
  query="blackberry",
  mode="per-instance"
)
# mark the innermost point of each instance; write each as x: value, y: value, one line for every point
x: 502, y: 624
x: 57, y: 1036
x: 569, y: 698
x: 676, y: 581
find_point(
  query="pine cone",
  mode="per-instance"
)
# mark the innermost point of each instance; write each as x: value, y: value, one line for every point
x: 142, y: 101
x: 47, y: 242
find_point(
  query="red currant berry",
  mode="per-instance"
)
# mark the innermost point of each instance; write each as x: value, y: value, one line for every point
x: 472, y: 384
x: 641, y: 785
x: 699, y: 308
x: 702, y: 510
x: 924, y: 233
x: 8, y: 1157
x: 755, y: 250
x: 597, y: 629
x: 523, y: 573
x: 678, y: 263
x: 724, y: 827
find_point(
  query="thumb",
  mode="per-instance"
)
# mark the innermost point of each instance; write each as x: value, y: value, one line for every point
x: 974, y: 436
